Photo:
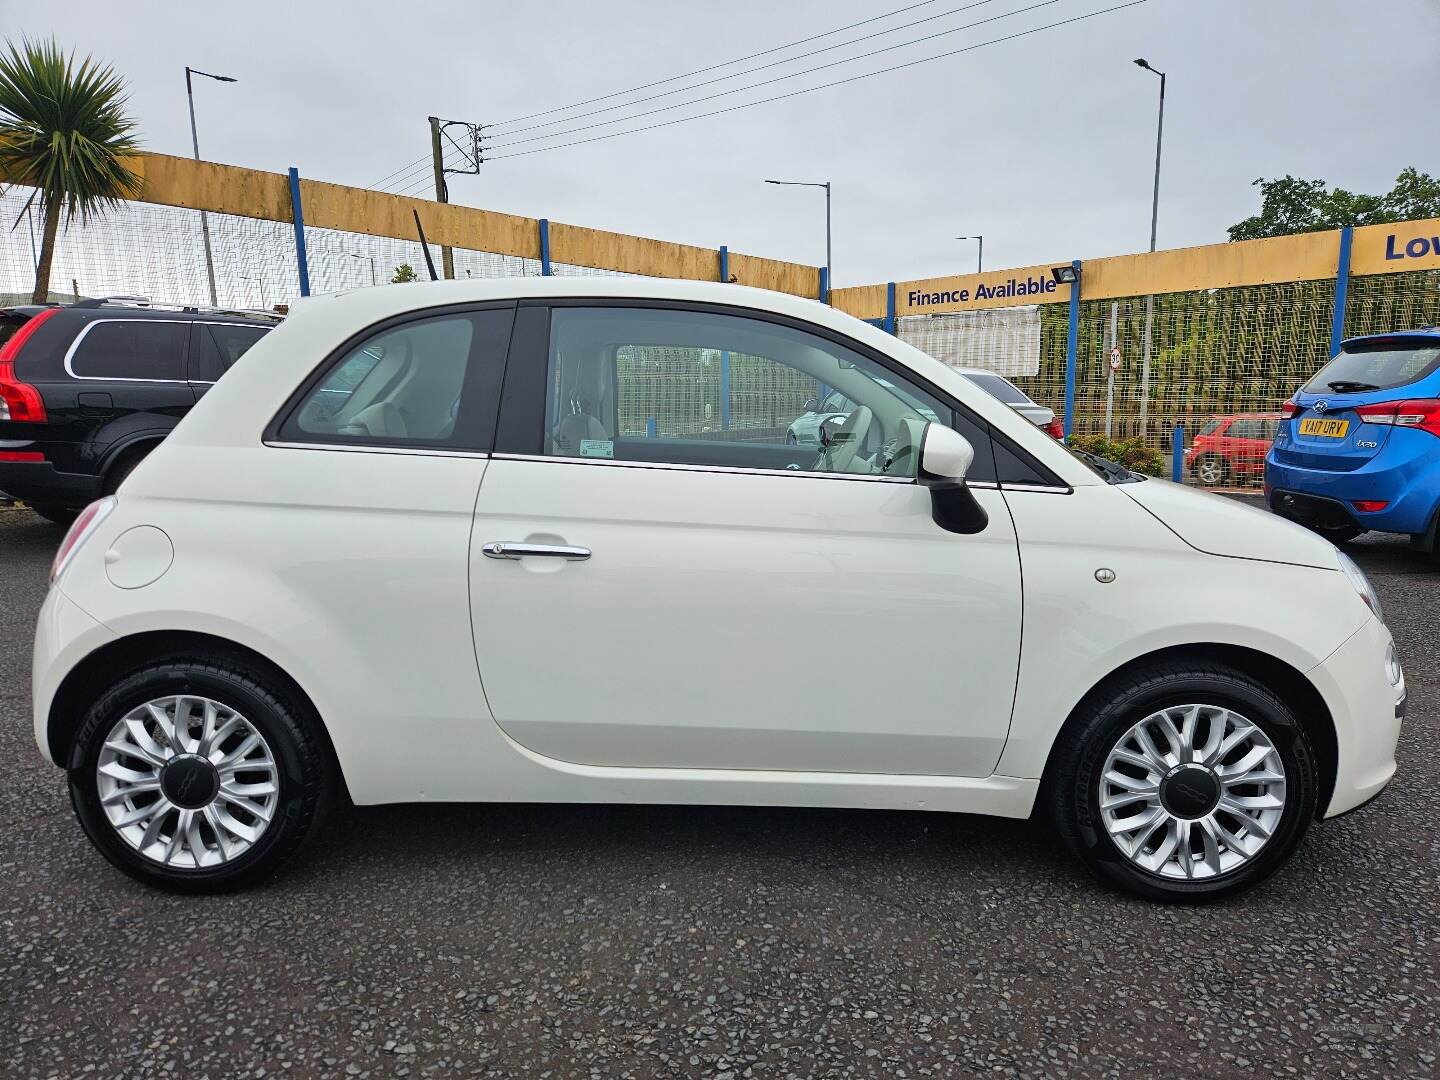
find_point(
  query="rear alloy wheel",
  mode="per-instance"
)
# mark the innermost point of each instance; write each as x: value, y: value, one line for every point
x: 198, y: 776
x: 1187, y: 782
x: 1211, y: 471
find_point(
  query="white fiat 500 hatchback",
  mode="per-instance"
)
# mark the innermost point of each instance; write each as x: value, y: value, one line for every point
x: 547, y: 540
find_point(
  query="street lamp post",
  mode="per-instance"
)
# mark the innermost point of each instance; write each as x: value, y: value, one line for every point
x: 195, y: 144
x: 829, y: 268
x: 260, y: 278
x: 1154, y: 223
x: 979, y: 253
x: 363, y: 258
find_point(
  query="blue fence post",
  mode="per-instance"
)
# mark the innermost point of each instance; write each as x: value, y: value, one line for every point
x: 1072, y: 345
x: 824, y: 296
x: 297, y: 212
x: 1342, y: 289
x: 725, y: 353
x: 725, y: 389
x: 1177, y: 454
x: 545, y: 247
x: 889, y: 307
x: 650, y: 427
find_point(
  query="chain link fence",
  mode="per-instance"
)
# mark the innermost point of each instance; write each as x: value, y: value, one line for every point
x: 1221, y: 361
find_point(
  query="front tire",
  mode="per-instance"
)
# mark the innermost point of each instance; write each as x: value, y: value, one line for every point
x: 199, y: 775
x: 1187, y: 781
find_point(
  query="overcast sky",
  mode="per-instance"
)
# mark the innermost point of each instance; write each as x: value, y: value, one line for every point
x: 1045, y: 144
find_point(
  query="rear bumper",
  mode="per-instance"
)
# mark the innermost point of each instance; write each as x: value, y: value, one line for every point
x: 1367, y: 712
x: 1405, y: 475
x: 64, y: 635
x: 41, y: 483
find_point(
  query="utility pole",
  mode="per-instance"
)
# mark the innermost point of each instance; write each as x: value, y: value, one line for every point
x: 195, y: 145
x: 442, y: 192
x: 1154, y: 221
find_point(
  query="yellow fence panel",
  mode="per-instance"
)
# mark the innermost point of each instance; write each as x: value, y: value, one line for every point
x: 1395, y: 249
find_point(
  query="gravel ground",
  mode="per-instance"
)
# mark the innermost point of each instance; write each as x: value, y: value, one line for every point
x: 565, y: 941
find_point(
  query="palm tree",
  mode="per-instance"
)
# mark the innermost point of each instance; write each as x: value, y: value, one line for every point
x: 64, y: 132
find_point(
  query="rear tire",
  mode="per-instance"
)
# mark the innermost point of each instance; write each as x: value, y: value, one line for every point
x: 56, y: 515
x: 254, y: 795
x: 1226, y: 850
x: 1338, y: 534
x: 123, y: 468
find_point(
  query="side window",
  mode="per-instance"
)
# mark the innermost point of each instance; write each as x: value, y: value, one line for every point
x: 428, y: 382
x: 703, y: 388
x: 132, y: 349
x: 214, y: 347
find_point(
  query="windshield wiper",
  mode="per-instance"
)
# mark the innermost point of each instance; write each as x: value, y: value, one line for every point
x: 1114, y: 472
x: 1350, y: 386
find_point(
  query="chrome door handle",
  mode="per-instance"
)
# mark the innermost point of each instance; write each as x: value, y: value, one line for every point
x: 506, y: 549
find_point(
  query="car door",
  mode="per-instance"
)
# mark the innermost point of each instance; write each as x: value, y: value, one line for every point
x: 716, y: 599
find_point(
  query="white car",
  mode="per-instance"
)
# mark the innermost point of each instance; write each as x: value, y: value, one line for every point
x: 807, y: 427
x: 419, y: 545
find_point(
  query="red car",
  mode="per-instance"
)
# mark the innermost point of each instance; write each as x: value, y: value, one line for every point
x: 1231, y: 449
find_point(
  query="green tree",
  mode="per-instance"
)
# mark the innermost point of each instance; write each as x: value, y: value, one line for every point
x: 1290, y: 205
x: 63, y: 131
x: 403, y: 273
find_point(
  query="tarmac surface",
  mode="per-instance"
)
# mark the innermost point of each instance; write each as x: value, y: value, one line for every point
x: 574, y: 941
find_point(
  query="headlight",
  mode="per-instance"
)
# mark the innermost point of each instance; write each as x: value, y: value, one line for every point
x: 1362, y: 584
x: 1392, y: 667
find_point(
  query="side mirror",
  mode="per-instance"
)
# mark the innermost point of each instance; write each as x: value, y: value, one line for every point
x: 811, y: 405
x: 945, y: 456
x: 945, y: 459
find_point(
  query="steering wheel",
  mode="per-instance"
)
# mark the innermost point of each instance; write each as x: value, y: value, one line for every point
x: 840, y: 452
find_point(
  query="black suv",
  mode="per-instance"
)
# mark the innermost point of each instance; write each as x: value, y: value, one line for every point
x: 88, y: 389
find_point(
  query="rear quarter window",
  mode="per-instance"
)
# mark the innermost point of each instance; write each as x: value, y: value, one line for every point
x: 146, y: 349
x: 8, y: 325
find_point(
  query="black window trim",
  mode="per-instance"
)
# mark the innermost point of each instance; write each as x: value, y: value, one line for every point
x: 84, y: 330
x: 520, y: 431
x: 477, y: 438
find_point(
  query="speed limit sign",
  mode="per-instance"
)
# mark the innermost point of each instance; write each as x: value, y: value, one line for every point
x: 1115, y: 358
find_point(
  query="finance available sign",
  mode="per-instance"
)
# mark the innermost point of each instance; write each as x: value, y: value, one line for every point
x: 969, y: 292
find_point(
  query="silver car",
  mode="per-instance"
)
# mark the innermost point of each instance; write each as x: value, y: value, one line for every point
x: 806, y: 428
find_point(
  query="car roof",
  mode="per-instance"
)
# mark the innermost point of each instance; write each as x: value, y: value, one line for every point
x: 170, y: 314
x: 1423, y: 333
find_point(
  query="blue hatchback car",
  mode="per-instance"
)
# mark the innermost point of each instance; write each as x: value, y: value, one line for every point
x: 1360, y: 448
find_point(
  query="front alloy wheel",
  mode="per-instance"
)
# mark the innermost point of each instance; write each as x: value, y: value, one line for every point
x: 1192, y: 792
x: 1186, y: 780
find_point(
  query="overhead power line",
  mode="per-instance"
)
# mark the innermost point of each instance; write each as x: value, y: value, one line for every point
x: 783, y: 78
x: 826, y: 86
x: 425, y: 161
x: 716, y: 67
x: 758, y: 67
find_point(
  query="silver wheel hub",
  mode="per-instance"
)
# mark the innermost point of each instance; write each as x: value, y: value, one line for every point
x: 187, y: 782
x: 1192, y: 792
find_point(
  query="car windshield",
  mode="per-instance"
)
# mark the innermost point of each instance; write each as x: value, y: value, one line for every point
x: 999, y: 387
x: 1379, y: 365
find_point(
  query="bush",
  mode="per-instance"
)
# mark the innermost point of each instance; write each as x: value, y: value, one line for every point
x: 1132, y: 453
